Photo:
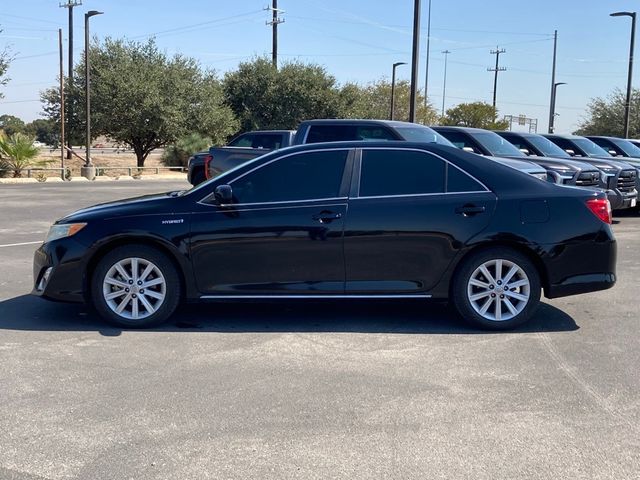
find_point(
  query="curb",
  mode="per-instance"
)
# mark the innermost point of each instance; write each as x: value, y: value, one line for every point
x: 18, y: 180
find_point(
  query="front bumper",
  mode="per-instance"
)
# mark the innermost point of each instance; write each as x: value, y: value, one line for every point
x: 63, y: 260
x: 621, y: 200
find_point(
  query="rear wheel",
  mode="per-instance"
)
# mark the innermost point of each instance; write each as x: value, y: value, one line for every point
x: 135, y: 286
x: 497, y: 288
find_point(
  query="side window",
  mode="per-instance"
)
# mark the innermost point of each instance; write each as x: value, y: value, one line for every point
x: 373, y: 133
x: 270, y: 141
x: 245, y: 140
x: 459, y: 181
x: 564, y: 144
x: 400, y: 172
x: 330, y: 133
x: 303, y: 176
x: 461, y: 141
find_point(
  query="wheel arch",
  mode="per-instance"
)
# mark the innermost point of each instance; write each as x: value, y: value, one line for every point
x: 103, y: 248
x: 518, y: 247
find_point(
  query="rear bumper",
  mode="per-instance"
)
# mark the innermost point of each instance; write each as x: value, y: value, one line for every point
x: 585, y: 283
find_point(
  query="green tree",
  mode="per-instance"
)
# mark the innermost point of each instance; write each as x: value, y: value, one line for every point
x: 605, y: 116
x: 475, y: 114
x: 74, y: 103
x: 45, y: 131
x: 374, y: 101
x: 144, y: 99
x: 17, y: 152
x: 263, y: 97
x: 5, y: 60
x: 10, y: 124
x: 177, y: 154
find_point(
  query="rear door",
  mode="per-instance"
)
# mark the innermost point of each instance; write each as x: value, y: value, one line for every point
x: 410, y: 212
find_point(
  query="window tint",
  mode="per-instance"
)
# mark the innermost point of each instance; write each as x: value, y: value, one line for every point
x: 270, y: 141
x: 304, y: 176
x: 330, y: 133
x: 547, y: 147
x: 341, y: 133
x: 459, y: 181
x: 242, y: 141
x: 419, y: 133
x: 400, y: 172
x: 496, y: 145
x: 461, y: 140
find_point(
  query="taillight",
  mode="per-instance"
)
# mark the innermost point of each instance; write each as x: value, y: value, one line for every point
x: 601, y: 208
x: 207, y: 161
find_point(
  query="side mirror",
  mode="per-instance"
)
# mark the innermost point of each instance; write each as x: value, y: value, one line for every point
x: 468, y: 149
x: 613, y: 153
x: 223, y: 194
x: 570, y: 152
x: 525, y: 151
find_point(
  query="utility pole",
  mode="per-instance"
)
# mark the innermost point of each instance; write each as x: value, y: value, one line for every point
x: 552, y: 101
x: 61, y: 103
x: 70, y: 4
x: 444, y: 84
x: 627, y: 103
x: 414, y: 60
x: 426, y: 73
x: 497, y: 69
x: 275, y: 21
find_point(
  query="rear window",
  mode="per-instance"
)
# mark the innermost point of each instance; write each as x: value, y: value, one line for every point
x: 341, y: 133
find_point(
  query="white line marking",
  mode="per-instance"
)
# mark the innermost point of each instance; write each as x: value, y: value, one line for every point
x: 19, y: 244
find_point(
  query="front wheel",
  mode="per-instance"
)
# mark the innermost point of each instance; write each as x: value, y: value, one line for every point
x: 135, y: 286
x: 497, y: 288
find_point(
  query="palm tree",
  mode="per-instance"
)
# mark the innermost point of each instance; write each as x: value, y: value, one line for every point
x: 17, y: 152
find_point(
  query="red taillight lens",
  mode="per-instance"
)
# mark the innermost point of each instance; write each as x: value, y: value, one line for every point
x: 601, y: 208
x: 207, y: 161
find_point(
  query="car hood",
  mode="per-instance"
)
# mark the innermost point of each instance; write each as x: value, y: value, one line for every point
x: 602, y: 162
x: 522, y: 165
x: 146, y: 204
x: 560, y: 163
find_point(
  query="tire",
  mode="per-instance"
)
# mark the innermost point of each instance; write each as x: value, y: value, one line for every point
x: 151, y: 294
x: 198, y: 177
x: 483, y: 301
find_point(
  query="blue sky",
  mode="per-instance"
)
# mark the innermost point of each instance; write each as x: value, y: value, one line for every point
x: 356, y: 40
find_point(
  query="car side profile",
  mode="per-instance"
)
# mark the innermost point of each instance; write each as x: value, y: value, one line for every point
x: 396, y: 220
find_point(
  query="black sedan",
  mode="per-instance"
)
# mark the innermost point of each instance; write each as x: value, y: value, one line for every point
x: 341, y: 220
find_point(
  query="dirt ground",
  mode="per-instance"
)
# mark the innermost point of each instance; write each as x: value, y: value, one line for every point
x: 115, y: 163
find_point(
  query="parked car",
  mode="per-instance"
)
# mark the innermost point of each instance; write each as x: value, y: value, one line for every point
x: 336, y: 130
x: 565, y: 171
x: 562, y: 171
x: 619, y: 147
x: 393, y: 220
x: 261, y: 140
x: 619, y: 176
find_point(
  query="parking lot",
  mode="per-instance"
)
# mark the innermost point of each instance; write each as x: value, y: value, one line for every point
x: 297, y: 390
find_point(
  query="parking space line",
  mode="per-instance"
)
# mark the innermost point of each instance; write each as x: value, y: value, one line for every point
x: 20, y: 244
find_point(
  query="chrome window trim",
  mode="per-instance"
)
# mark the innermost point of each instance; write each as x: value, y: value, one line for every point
x: 320, y: 295
x: 408, y: 195
x: 284, y: 204
x: 203, y: 200
x: 447, y: 162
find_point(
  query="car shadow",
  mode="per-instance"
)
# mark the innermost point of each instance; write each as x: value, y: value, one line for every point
x: 30, y: 313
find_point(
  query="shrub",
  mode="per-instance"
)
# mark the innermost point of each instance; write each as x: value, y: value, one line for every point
x: 177, y: 155
x: 17, y: 152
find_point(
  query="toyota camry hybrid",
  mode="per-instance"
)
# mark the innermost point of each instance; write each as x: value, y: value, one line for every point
x: 393, y: 220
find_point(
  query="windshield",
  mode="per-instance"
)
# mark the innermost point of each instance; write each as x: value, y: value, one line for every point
x: 547, y: 147
x: 627, y: 147
x: 496, y: 145
x: 590, y: 148
x: 422, y: 134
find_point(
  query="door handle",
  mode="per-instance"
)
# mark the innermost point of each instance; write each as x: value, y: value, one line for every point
x: 327, y: 217
x: 470, y: 210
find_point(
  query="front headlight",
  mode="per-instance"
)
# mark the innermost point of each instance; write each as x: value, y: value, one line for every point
x: 541, y: 176
x: 63, y: 230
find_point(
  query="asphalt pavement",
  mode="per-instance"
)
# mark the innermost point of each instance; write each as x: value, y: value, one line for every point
x: 340, y: 390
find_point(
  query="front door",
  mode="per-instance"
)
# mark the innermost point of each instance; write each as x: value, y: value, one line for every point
x: 283, y: 233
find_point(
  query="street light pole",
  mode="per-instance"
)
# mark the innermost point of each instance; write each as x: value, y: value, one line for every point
x: 552, y: 117
x: 627, y: 105
x: 444, y: 84
x: 88, y: 170
x: 414, y: 60
x: 393, y: 87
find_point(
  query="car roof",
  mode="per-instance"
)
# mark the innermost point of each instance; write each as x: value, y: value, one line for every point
x: 347, y: 121
x: 567, y: 137
x: 464, y: 129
